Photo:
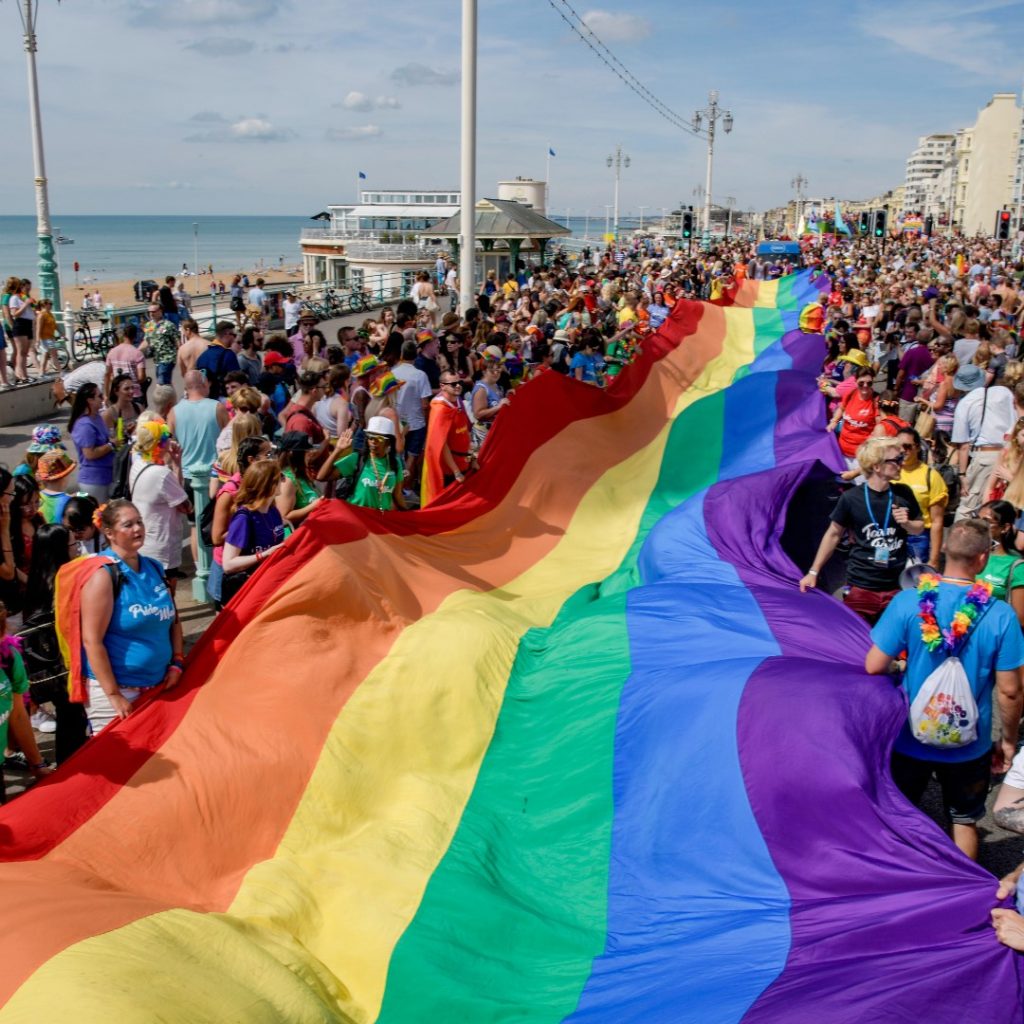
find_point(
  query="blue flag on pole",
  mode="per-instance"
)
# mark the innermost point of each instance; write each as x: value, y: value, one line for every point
x: 362, y: 175
x: 551, y: 152
x: 839, y: 222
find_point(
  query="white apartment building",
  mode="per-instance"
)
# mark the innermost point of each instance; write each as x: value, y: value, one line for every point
x: 987, y: 158
x: 926, y: 163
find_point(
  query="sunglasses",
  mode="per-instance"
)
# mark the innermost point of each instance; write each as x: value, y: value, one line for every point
x: 896, y: 460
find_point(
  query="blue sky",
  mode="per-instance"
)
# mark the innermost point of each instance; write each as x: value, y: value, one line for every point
x: 273, y: 106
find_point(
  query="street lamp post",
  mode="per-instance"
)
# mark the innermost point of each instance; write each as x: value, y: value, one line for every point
x: 586, y: 228
x: 607, y: 218
x: 642, y: 208
x: 49, y: 283
x: 799, y: 183
x: 711, y: 113
x: 467, y: 209
x: 730, y: 202
x: 618, y: 161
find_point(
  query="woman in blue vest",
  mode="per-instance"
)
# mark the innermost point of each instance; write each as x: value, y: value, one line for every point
x: 130, y: 628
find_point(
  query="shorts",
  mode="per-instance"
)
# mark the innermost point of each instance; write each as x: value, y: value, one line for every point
x: 100, y: 711
x: 964, y: 783
x: 48, y: 344
x: 23, y: 327
x: 1015, y: 776
x: 415, y: 441
x: 868, y: 604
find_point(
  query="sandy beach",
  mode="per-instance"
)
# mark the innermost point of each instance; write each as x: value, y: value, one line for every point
x: 122, y: 293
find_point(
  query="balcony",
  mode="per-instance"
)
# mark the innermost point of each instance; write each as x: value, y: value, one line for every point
x: 375, y: 245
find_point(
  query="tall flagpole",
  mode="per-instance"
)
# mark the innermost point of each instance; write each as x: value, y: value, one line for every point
x: 467, y: 212
x: 547, y: 182
x: 49, y: 284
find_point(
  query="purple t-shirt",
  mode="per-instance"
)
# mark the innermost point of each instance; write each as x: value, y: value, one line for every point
x: 251, y: 531
x: 915, y: 361
x: 91, y: 432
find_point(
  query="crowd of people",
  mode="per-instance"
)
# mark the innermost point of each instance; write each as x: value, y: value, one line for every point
x: 921, y: 379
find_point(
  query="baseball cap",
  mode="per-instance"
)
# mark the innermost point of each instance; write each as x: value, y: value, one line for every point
x: 275, y: 359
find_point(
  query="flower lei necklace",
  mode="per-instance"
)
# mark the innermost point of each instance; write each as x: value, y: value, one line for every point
x: 977, y: 597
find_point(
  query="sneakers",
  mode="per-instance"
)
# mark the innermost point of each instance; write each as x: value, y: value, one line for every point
x: 42, y: 721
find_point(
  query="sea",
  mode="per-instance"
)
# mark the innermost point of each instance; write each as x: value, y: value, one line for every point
x: 122, y: 247
x: 110, y: 248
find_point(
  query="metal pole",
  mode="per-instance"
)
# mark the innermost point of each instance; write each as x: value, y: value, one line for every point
x: 49, y: 283
x: 615, y: 221
x: 607, y: 217
x: 712, y: 115
x: 467, y: 215
x: 586, y: 229
x: 642, y: 208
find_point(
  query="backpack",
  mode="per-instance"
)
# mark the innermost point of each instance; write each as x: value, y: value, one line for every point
x: 346, y: 486
x: 121, y: 486
x: 67, y: 603
x: 951, y: 476
x: 206, y: 519
x: 944, y: 714
x: 212, y: 369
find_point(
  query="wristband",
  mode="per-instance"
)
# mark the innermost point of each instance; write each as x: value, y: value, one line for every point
x: 178, y: 664
x: 175, y: 668
x: 36, y: 767
x: 812, y: 572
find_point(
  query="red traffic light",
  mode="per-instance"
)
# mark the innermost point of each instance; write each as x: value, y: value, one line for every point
x: 1004, y: 215
x: 76, y: 266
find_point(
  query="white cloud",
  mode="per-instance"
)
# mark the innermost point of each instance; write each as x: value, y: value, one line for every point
x: 419, y: 74
x: 360, y: 101
x: 221, y: 46
x: 201, y: 12
x: 259, y: 129
x: 354, y: 134
x: 958, y: 37
x: 617, y: 28
x: 244, y: 129
x: 160, y: 186
x: 357, y: 101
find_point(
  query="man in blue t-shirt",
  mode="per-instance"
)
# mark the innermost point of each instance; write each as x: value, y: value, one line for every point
x: 991, y: 654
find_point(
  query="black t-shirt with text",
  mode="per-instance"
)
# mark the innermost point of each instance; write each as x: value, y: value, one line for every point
x: 863, y: 512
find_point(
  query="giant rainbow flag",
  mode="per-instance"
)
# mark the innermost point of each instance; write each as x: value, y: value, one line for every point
x: 569, y: 745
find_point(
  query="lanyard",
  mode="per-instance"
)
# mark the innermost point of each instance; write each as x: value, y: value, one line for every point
x: 888, y: 508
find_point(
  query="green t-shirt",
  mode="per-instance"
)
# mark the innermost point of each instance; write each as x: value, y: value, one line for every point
x: 305, y: 492
x: 997, y: 568
x: 375, y: 487
x: 11, y: 684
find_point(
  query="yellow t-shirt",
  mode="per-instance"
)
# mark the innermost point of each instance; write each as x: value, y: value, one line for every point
x: 928, y: 486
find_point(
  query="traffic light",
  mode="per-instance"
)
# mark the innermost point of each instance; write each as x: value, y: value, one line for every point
x: 880, y: 217
x: 687, y: 225
x: 862, y: 228
x: 1002, y: 225
x: 929, y: 224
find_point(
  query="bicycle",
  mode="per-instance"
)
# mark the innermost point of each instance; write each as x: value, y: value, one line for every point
x: 84, y: 346
x: 360, y: 301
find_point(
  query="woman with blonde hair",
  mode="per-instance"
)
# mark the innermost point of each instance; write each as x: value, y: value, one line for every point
x: 245, y: 424
x: 158, y: 495
x: 942, y: 401
x: 256, y: 528
x: 1007, y: 480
